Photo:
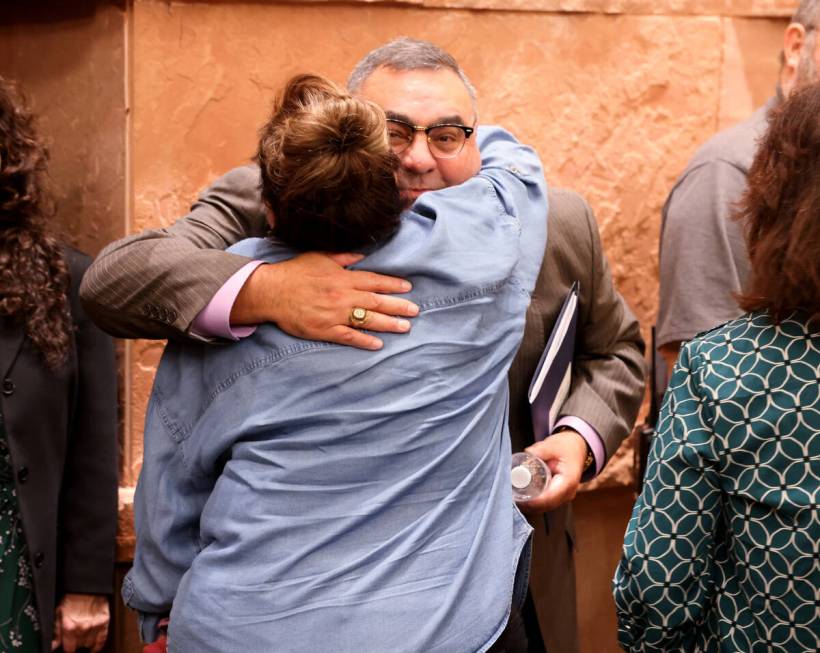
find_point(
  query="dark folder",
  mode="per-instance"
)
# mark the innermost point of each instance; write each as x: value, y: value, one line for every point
x: 553, y: 377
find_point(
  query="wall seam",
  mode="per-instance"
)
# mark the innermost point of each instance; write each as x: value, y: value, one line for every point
x: 128, y: 435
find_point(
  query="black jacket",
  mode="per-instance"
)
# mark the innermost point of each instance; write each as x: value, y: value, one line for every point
x: 62, y: 432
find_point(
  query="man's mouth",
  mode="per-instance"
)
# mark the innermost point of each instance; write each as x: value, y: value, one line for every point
x: 412, y: 193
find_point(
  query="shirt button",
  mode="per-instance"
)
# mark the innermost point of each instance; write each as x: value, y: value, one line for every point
x: 8, y: 387
x: 39, y: 559
x: 22, y: 474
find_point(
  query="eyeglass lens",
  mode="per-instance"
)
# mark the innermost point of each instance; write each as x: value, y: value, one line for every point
x: 444, y: 141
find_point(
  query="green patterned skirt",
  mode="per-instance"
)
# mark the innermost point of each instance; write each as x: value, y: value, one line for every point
x: 19, y: 626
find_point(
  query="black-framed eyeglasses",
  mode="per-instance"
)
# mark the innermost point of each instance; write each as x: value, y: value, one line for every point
x: 445, y: 140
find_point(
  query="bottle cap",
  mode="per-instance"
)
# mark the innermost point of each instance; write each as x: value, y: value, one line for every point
x: 521, y: 477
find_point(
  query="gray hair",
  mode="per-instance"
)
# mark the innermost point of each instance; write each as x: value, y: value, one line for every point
x: 405, y: 53
x: 807, y: 14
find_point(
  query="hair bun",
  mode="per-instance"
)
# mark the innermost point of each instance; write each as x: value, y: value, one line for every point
x: 328, y: 173
x: 349, y: 132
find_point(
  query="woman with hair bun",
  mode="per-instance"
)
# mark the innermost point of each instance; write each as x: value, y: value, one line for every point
x: 328, y: 173
x: 721, y: 551
x: 303, y: 496
x: 58, y: 428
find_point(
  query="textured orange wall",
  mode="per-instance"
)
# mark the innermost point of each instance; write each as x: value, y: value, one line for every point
x: 71, y: 62
x: 614, y: 103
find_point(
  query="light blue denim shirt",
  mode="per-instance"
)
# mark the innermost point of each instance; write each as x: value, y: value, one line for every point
x: 302, y: 496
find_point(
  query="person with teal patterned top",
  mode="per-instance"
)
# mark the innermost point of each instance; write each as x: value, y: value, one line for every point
x: 721, y: 551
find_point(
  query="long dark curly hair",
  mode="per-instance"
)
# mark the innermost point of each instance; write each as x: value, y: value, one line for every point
x: 34, y: 276
x: 781, y: 211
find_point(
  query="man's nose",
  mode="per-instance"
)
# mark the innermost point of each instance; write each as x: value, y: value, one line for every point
x: 417, y: 158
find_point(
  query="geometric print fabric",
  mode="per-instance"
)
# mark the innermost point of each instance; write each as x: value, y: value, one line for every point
x: 721, y: 552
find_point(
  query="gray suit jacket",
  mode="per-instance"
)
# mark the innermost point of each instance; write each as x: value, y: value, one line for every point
x: 152, y: 285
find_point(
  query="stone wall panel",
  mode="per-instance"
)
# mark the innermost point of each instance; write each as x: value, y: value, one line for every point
x: 71, y: 63
x: 783, y: 8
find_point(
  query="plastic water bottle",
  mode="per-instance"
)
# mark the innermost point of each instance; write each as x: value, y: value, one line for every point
x: 529, y: 476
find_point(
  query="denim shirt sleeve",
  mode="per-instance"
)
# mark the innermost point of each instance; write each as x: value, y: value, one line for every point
x: 167, y: 507
x: 509, y: 186
x: 517, y: 175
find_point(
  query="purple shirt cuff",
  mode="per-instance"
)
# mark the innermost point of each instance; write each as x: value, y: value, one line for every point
x: 214, y: 321
x: 596, y: 444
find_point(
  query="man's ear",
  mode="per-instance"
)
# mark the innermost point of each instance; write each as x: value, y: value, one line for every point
x: 794, y: 40
x: 269, y: 216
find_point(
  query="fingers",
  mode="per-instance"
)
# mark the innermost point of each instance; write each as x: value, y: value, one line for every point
x: 81, y: 622
x: 58, y: 619
x: 371, y: 281
x: 385, y: 323
x: 385, y: 306
x: 383, y: 312
x: 311, y: 297
x: 79, y: 636
x: 564, y: 454
x: 391, y: 306
x: 69, y: 640
x: 351, y: 337
x: 379, y: 283
x: 99, y: 642
x: 559, y: 491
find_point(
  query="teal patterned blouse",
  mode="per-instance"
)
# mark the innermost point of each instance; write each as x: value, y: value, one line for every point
x: 721, y: 552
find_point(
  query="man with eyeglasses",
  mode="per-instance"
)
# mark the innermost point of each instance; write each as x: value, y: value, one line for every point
x: 703, y: 258
x: 432, y: 112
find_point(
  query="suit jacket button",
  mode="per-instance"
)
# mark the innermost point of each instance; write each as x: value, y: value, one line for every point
x: 39, y: 559
x: 22, y: 474
x: 8, y: 387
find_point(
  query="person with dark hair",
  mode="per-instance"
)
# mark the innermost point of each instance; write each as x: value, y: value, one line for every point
x: 293, y: 489
x: 721, y: 551
x: 703, y: 259
x: 174, y: 283
x: 58, y: 467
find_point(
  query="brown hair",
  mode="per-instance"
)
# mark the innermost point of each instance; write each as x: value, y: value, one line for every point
x: 328, y: 173
x: 34, y: 275
x: 781, y: 209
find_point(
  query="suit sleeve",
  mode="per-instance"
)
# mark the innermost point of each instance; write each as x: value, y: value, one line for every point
x: 608, y: 367
x: 88, y: 496
x: 153, y: 284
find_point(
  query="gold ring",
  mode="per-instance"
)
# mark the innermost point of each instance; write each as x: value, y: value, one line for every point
x: 359, y: 317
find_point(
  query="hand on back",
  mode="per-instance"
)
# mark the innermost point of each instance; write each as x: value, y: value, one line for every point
x: 312, y: 295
